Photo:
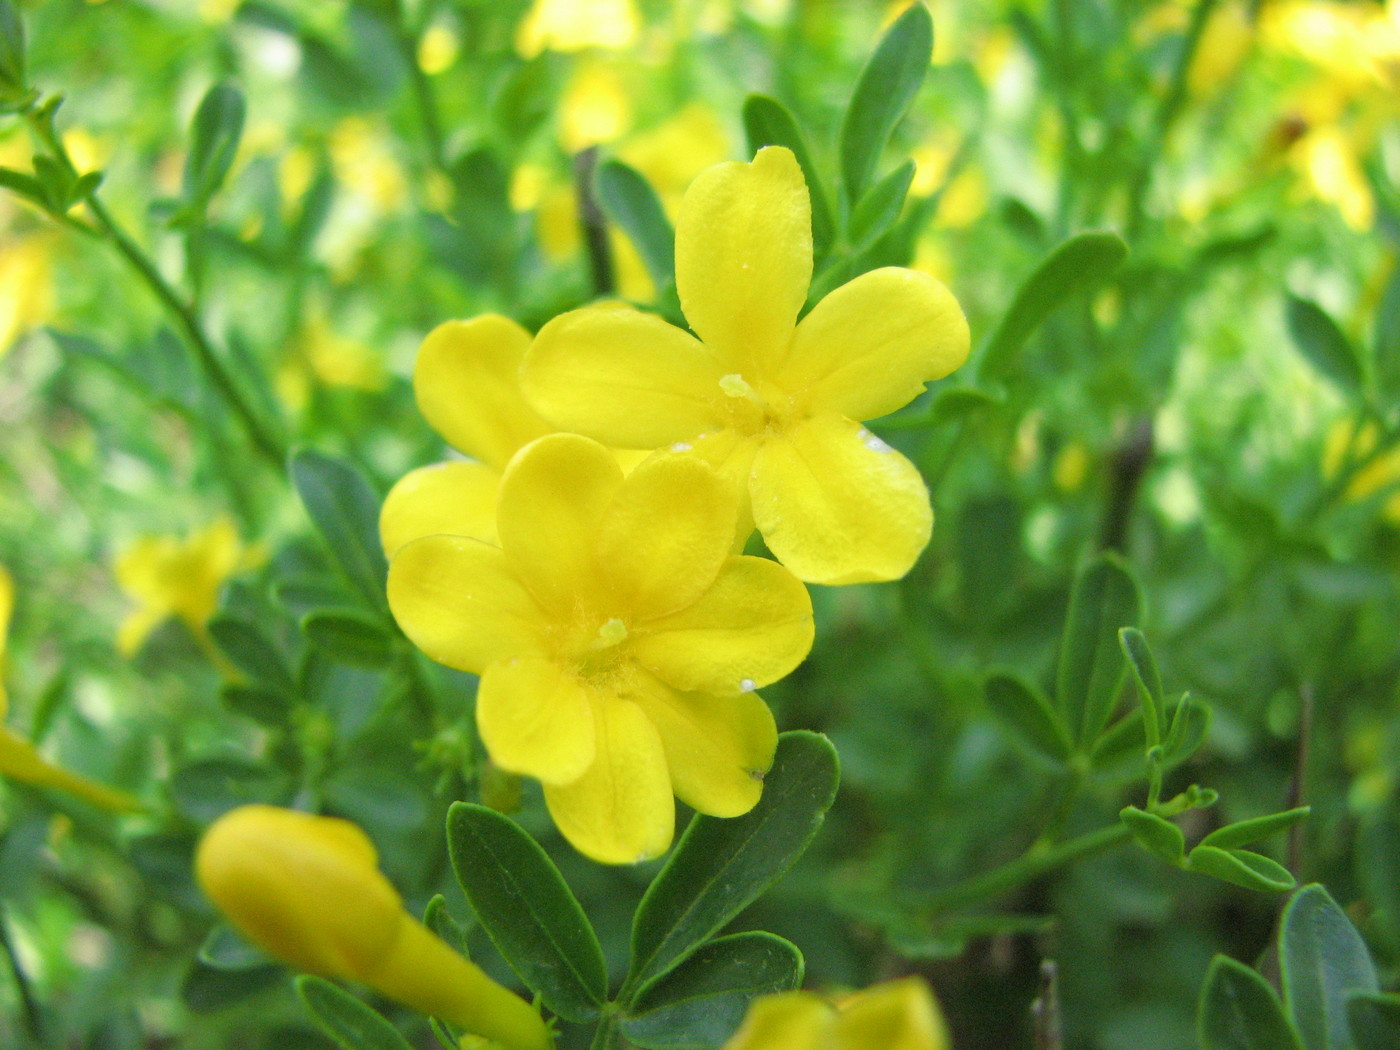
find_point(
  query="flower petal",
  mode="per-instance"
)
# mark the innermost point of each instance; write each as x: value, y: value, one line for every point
x: 869, y: 347
x: 752, y: 627
x: 624, y: 377
x: 458, y: 601
x: 836, y: 504
x: 666, y: 535
x: 744, y: 256
x: 467, y: 381
x: 20, y: 760
x: 786, y: 1021
x: 896, y: 1015
x: 717, y: 747
x: 620, y: 811
x: 535, y: 719
x: 552, y: 500
x: 445, y: 499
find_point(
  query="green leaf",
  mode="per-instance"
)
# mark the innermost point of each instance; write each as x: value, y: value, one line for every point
x: 1190, y: 722
x: 214, y: 136
x: 346, y: 512
x: 885, y: 89
x: 767, y: 122
x: 630, y: 202
x: 1029, y: 716
x: 1322, y: 958
x: 1240, y: 1011
x: 1386, y: 351
x: 699, y: 1004
x: 1159, y: 837
x: 252, y: 652
x: 1104, y: 598
x: 525, y: 907
x: 453, y: 933
x: 351, y: 636
x: 12, y: 74
x: 26, y: 186
x: 1242, y: 868
x: 1080, y: 264
x: 204, y: 790
x: 1149, y: 682
x: 352, y: 1024
x: 1378, y: 865
x: 1323, y: 343
x: 721, y: 866
x: 878, y: 211
x: 224, y: 949
x: 1244, y: 832
x: 1374, y: 1019
x: 264, y: 706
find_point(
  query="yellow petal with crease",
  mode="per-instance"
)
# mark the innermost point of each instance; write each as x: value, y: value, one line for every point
x: 667, y: 533
x: 869, y: 347
x: 552, y: 501
x: 535, y: 719
x: 445, y: 499
x: 458, y: 601
x: 837, y: 505
x: 896, y: 1015
x: 788, y: 1021
x: 752, y: 627
x: 621, y: 811
x: 627, y: 378
x: 467, y: 382
x: 717, y: 747
x: 744, y: 256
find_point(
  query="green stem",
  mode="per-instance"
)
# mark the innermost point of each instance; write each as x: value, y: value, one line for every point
x: 423, y: 95
x: 606, y: 1036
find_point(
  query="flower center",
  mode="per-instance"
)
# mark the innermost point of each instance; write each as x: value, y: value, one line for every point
x: 748, y: 410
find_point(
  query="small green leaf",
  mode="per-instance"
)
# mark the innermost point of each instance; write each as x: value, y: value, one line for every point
x: 264, y: 706
x: 1080, y: 264
x: 1253, y: 871
x: 885, y: 89
x: 352, y: 1024
x: 1190, y: 722
x: 1149, y: 682
x: 1386, y: 351
x: 1322, y: 959
x: 224, y: 949
x: 1323, y: 343
x: 351, y: 636
x: 1159, y: 837
x: 214, y: 136
x: 13, y: 86
x: 438, y: 919
x: 1242, y: 833
x: 252, y: 652
x: 1104, y: 599
x: 206, y: 789
x: 1378, y: 865
x: 525, y: 907
x: 346, y: 512
x: 878, y: 211
x: 767, y: 122
x: 26, y: 186
x: 699, y: 1004
x: 720, y: 866
x: 630, y: 202
x: 1240, y: 1011
x: 1374, y: 1019
x: 1028, y: 714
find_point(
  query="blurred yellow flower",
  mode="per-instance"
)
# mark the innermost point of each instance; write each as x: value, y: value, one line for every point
x: 437, y: 50
x: 773, y: 404
x: 321, y: 354
x: 897, y: 1015
x: 1349, y: 442
x: 596, y: 106
x: 168, y: 576
x: 364, y: 163
x: 308, y: 890
x: 573, y: 25
x: 26, y: 285
x: 618, y: 641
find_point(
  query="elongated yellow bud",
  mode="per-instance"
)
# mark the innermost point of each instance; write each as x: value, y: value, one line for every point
x: 308, y: 891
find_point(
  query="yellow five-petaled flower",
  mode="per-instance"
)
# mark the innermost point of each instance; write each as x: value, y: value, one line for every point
x: 618, y: 640
x: 772, y: 402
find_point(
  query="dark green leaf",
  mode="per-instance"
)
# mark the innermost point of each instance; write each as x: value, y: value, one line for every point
x: 252, y: 652
x: 1240, y: 867
x: 207, y: 789
x: 1323, y: 343
x: 224, y: 949
x: 346, y: 512
x: 1374, y: 1019
x: 438, y: 919
x: 1240, y: 1011
x: 352, y: 1024
x: 1104, y: 598
x: 1386, y: 353
x: 699, y: 1004
x: 1159, y: 837
x: 350, y: 636
x: 26, y: 186
x: 1080, y: 264
x: 1242, y: 833
x: 878, y: 211
x: 1028, y: 714
x: 1322, y: 958
x: 527, y: 910
x: 206, y: 989
x: 1149, y: 682
x: 720, y: 866
x: 214, y: 136
x: 264, y: 706
x: 630, y: 202
x: 886, y: 87
x: 767, y: 122
x: 1378, y: 864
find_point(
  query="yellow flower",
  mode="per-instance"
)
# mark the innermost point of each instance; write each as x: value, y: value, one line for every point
x: 1348, y: 441
x: 772, y: 403
x: 26, y: 286
x: 897, y: 1015
x: 168, y: 576
x: 619, y: 643
x: 573, y: 25
x: 19, y: 759
x: 308, y: 891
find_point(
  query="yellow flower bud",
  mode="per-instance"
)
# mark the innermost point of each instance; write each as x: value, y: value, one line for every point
x: 308, y: 891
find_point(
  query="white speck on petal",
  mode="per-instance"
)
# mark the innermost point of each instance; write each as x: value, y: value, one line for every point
x: 681, y: 446
x: 873, y: 443
x: 748, y: 685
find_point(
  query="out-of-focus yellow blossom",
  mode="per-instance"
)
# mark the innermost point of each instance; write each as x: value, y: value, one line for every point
x: 322, y: 354
x: 365, y: 164
x: 308, y: 890
x: 19, y: 759
x: 26, y: 285
x: 1348, y: 442
x: 596, y: 106
x: 574, y: 25
x: 618, y: 640
x: 218, y: 12
x: 1226, y: 40
x: 773, y: 404
x: 168, y: 576
x: 1071, y: 467
x: 438, y: 49
x: 897, y: 1015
